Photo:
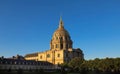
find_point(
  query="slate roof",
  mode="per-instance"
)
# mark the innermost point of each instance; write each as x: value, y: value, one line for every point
x: 22, y: 62
x: 31, y: 55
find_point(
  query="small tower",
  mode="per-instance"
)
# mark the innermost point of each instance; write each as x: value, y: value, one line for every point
x: 61, y: 39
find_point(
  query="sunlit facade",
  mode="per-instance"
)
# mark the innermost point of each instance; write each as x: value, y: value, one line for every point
x: 61, y: 49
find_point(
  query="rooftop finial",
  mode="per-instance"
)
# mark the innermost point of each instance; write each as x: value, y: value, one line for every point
x: 61, y: 23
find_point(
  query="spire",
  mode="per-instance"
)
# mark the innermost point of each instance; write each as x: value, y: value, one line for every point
x: 61, y: 23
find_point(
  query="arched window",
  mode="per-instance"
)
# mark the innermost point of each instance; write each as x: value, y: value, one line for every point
x: 65, y: 38
x: 66, y: 46
x: 61, y: 38
x: 56, y: 38
x: 48, y: 55
x: 40, y: 57
x: 58, y: 55
x: 61, y: 46
x: 56, y: 45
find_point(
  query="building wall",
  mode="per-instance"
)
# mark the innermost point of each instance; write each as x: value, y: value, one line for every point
x: 49, y: 56
x: 45, y: 56
x: 42, y: 56
x: 59, y: 56
x: 25, y: 67
x: 55, y: 57
x: 14, y: 64
x: 32, y: 58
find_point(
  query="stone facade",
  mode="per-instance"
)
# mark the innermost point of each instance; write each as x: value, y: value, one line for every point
x: 18, y: 63
x: 61, y: 49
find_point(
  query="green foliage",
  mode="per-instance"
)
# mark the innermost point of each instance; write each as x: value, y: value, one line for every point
x: 104, y: 65
x: 75, y: 63
x: 107, y: 64
x: 64, y: 65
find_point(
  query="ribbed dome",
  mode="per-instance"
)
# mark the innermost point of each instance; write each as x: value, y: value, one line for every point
x: 61, y: 38
x: 61, y: 32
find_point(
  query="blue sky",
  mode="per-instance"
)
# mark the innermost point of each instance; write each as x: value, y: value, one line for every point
x: 27, y: 26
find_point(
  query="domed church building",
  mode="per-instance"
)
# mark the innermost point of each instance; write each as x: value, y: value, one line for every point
x: 61, y: 49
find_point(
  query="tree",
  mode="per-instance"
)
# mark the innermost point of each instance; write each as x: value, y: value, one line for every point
x: 63, y: 67
x: 75, y: 63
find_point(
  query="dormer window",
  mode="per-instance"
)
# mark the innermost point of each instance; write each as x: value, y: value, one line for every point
x: 1, y: 62
x: 15, y: 62
x: 6, y: 62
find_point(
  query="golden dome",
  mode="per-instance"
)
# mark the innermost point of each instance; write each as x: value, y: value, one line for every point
x: 61, y: 32
x: 61, y: 38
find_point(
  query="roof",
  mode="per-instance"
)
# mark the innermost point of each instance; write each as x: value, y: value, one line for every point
x: 61, y: 31
x: 31, y: 55
x: 22, y: 62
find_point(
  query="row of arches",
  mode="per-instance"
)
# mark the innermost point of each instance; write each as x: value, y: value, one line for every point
x: 61, y: 46
x: 61, y: 38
